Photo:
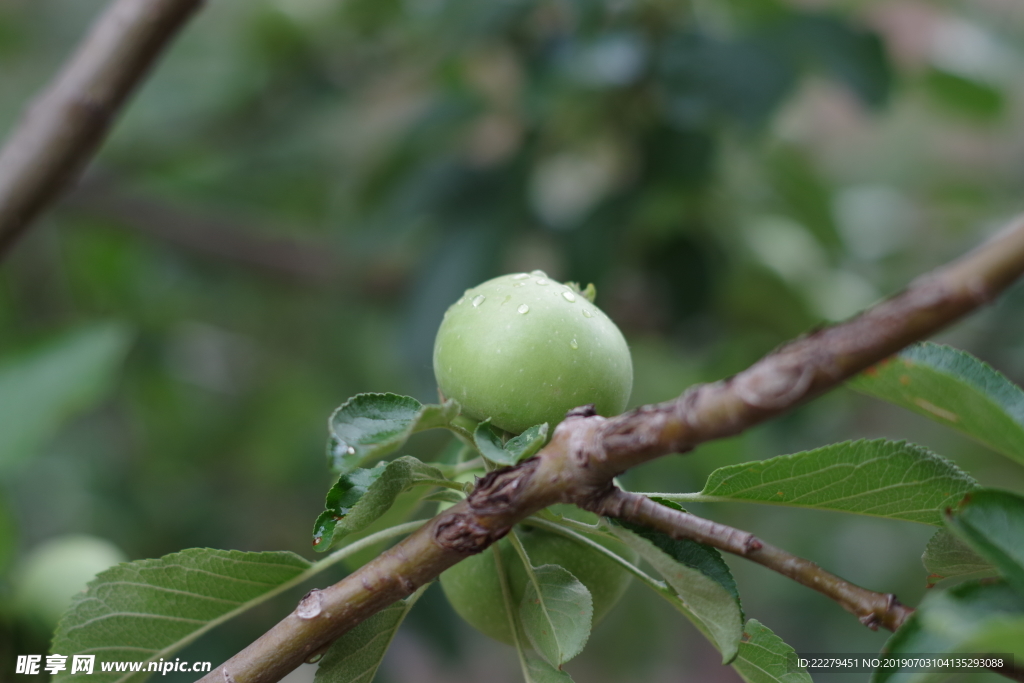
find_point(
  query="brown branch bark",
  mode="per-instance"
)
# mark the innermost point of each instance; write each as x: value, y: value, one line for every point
x: 62, y: 129
x: 871, y: 608
x: 586, y: 451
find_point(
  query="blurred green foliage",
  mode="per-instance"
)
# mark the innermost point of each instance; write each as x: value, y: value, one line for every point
x: 303, y: 186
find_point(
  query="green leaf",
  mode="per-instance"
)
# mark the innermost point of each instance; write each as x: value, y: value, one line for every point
x: 992, y: 523
x: 971, y: 618
x: 370, y: 426
x: 850, y: 54
x: 41, y: 390
x: 489, y: 442
x: 765, y: 658
x: 526, y: 444
x: 405, y: 507
x: 362, y: 495
x: 356, y: 656
x: 946, y: 556
x: 536, y: 670
x: 891, y: 479
x: 589, y: 292
x: 557, y: 611
x: 965, y: 96
x: 149, y: 609
x: 700, y: 578
x: 955, y: 389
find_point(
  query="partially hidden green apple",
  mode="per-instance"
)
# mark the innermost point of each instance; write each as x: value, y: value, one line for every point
x: 49, y: 577
x: 474, y: 589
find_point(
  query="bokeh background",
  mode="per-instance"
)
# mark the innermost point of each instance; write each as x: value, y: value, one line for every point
x: 302, y: 187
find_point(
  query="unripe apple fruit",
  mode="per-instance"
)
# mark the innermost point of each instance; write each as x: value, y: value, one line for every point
x: 523, y: 349
x: 53, y: 572
x: 473, y: 588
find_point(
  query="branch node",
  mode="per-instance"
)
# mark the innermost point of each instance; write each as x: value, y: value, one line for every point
x: 408, y: 585
x: 461, y: 534
x: 588, y: 410
x: 497, y: 492
x: 775, y: 384
x: 870, y: 620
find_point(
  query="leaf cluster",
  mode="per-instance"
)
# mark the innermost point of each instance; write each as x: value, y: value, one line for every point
x: 127, y: 608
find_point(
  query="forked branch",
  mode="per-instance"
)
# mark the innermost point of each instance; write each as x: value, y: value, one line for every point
x: 871, y: 608
x: 587, y: 451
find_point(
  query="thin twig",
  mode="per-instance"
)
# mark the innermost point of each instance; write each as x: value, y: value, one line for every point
x: 871, y: 608
x: 586, y: 451
x: 62, y: 129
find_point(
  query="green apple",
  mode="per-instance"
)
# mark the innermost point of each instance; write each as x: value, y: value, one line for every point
x: 48, y: 578
x: 523, y: 349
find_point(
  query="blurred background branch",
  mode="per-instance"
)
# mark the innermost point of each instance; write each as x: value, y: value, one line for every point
x: 63, y: 127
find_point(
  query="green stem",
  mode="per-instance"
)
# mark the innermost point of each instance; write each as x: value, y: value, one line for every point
x: 521, y: 551
x: 562, y: 530
x: 571, y: 523
x: 689, y: 497
x: 464, y: 427
x: 513, y: 539
x: 506, y: 595
x: 454, y: 485
x: 463, y: 453
x: 469, y: 465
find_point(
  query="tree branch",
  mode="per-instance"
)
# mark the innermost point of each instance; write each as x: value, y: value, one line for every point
x: 587, y: 451
x: 871, y: 608
x: 62, y: 129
